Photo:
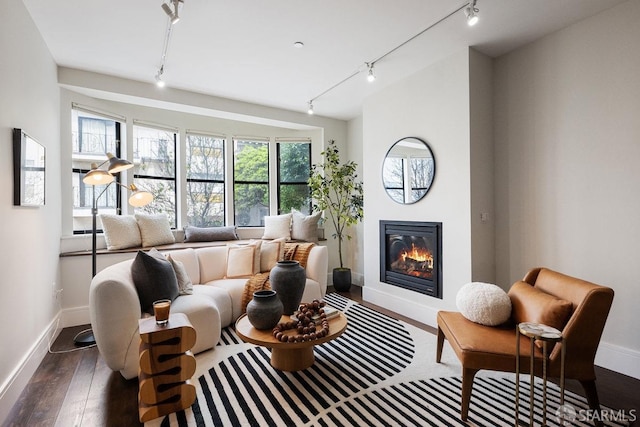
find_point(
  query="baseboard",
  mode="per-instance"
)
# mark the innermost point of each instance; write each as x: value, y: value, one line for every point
x: 613, y: 357
x: 75, y: 316
x: 16, y: 382
x: 619, y: 359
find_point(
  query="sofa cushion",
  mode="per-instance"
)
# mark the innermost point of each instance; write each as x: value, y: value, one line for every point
x: 532, y: 305
x: 277, y: 226
x: 120, y: 231
x: 203, y: 315
x: 304, y: 227
x: 484, y: 303
x: 155, y: 230
x: 154, y: 279
x: 221, y: 298
x: 209, y: 234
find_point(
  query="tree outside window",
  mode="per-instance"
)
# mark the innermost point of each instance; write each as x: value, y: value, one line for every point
x: 154, y: 157
x: 294, y: 164
x: 205, y: 180
x: 251, y: 182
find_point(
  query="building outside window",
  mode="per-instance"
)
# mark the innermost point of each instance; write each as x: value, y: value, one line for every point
x: 294, y: 165
x: 251, y: 181
x: 92, y: 137
x: 205, y: 168
x: 154, y: 158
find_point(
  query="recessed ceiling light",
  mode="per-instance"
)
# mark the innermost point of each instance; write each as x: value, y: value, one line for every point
x: 299, y: 45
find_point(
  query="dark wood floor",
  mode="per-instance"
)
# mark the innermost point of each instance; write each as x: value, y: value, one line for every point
x: 78, y: 389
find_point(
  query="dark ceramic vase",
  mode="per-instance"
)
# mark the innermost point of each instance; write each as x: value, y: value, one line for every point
x: 264, y: 310
x: 342, y: 279
x: 288, y: 279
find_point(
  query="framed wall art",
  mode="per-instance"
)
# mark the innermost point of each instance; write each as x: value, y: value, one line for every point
x: 28, y: 170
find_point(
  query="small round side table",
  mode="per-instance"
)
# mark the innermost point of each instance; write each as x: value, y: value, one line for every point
x: 545, y: 334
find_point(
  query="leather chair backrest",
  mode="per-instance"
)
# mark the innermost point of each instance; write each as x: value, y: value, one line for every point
x: 584, y: 329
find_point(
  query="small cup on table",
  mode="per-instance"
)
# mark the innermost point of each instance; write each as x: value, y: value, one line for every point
x: 161, y: 309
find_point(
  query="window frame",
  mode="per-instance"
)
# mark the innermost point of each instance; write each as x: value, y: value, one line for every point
x: 279, y: 181
x: 222, y: 181
x: 82, y: 187
x: 267, y: 142
x: 174, y: 179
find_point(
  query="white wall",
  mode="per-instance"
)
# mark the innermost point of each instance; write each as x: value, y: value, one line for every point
x: 31, y: 236
x: 567, y: 150
x: 433, y: 104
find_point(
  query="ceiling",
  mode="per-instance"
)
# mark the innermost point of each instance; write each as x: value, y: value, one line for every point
x: 244, y: 49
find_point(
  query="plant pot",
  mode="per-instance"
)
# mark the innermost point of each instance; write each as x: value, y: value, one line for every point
x: 288, y: 279
x: 342, y: 279
x: 264, y: 310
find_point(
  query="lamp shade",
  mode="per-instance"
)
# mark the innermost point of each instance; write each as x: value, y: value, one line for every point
x: 117, y: 164
x: 139, y: 198
x: 97, y: 176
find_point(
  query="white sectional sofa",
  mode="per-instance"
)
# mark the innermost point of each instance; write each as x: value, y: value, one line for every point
x: 215, y: 303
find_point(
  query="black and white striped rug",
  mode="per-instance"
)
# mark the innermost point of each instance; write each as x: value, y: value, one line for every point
x: 375, y: 374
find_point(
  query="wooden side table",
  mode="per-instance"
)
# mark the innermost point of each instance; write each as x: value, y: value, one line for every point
x: 545, y: 334
x: 166, y: 365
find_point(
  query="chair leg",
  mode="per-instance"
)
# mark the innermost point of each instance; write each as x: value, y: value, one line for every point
x: 591, y: 392
x: 439, y: 346
x: 467, y: 386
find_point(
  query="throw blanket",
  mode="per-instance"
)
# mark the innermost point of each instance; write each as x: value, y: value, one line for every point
x: 260, y: 282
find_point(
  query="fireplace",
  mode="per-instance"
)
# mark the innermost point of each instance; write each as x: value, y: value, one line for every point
x: 411, y: 256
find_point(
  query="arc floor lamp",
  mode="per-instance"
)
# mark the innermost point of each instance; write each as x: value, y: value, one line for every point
x: 138, y: 198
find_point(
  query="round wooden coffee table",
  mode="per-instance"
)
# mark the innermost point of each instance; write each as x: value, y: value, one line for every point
x: 288, y: 356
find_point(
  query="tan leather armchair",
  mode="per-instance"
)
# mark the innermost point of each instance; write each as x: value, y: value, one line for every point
x: 494, y: 348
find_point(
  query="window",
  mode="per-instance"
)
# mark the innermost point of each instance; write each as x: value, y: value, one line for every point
x: 294, y: 165
x: 92, y: 137
x: 205, y: 180
x: 154, y: 157
x: 251, y: 181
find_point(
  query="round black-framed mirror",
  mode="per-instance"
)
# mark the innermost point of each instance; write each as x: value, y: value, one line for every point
x: 408, y: 170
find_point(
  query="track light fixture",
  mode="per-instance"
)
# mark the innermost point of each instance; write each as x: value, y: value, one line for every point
x: 173, y: 14
x: 472, y: 13
x: 159, y: 81
x: 371, y: 76
x: 470, y: 10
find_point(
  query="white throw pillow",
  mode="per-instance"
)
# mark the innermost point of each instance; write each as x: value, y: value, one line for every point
x: 484, y: 303
x: 155, y: 230
x: 304, y: 227
x: 271, y: 252
x: 277, y: 226
x: 185, y: 286
x: 240, y: 261
x: 120, y: 231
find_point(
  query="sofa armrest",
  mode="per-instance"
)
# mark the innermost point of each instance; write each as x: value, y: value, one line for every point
x: 114, y: 309
x: 318, y: 265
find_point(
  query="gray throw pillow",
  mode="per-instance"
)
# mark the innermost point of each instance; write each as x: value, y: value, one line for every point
x: 154, y: 279
x: 209, y: 234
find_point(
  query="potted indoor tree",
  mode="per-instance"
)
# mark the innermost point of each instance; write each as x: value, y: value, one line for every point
x: 335, y: 191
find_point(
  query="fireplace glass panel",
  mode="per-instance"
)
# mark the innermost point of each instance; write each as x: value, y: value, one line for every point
x: 410, y: 255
